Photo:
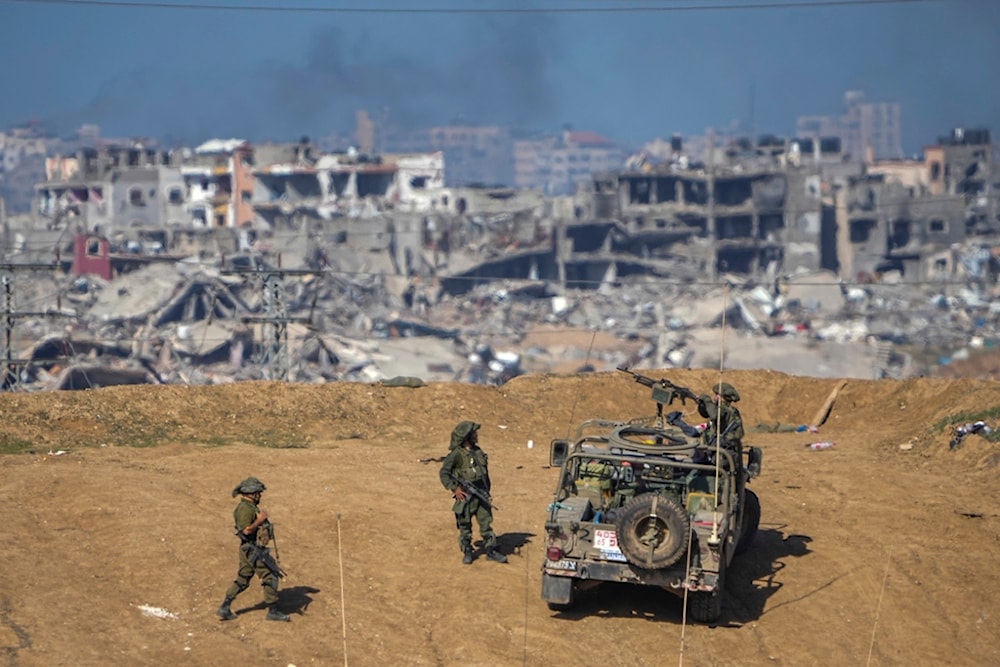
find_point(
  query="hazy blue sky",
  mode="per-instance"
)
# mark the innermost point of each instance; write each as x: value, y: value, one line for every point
x: 194, y: 74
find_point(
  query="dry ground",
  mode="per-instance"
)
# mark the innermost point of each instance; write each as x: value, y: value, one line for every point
x: 881, y: 551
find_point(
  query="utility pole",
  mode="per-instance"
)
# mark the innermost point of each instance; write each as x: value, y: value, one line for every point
x: 713, y: 263
x: 10, y: 375
x: 272, y: 354
x: 3, y: 226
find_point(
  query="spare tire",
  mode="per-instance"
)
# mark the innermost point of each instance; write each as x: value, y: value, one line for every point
x: 653, y: 531
x: 645, y: 438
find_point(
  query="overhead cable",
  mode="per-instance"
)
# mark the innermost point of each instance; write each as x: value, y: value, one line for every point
x: 661, y: 7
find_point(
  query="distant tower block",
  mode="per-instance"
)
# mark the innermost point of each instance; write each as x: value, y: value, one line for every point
x: 364, y: 133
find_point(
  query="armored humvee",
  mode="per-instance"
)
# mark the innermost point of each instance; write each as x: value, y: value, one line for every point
x: 648, y: 504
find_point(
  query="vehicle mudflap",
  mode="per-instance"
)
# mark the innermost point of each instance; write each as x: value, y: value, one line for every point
x: 558, y: 590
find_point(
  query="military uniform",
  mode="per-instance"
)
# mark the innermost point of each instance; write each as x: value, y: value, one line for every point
x: 467, y: 463
x: 245, y: 515
x: 723, y: 417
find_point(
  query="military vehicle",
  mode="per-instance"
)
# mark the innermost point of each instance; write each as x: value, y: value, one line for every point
x: 650, y: 504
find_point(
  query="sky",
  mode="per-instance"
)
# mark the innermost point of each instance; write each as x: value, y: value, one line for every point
x: 186, y: 75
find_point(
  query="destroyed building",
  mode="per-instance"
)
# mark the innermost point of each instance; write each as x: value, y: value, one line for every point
x: 291, y: 189
x: 279, y: 260
x: 142, y: 200
x: 786, y: 206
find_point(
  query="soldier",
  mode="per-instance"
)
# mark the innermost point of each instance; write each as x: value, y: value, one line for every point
x: 254, y: 530
x: 467, y: 464
x: 722, y: 416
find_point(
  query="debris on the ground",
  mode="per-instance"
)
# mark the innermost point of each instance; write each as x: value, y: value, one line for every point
x: 778, y: 427
x: 156, y: 612
x: 969, y: 428
x: 816, y: 446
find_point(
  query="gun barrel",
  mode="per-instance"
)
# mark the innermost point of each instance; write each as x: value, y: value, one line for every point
x: 638, y: 377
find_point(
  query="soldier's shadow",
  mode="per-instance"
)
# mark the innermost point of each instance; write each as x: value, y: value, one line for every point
x: 296, y: 599
x: 511, y: 543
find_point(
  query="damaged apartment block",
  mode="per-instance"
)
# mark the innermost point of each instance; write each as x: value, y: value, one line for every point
x: 716, y: 221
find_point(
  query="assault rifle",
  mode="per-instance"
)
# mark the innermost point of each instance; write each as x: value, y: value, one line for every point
x: 722, y: 436
x: 662, y: 383
x: 259, y: 554
x: 476, y: 492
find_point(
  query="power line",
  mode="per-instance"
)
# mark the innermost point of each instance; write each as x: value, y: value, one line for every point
x: 577, y: 9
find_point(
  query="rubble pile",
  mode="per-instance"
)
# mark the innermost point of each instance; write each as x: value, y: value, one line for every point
x: 193, y: 323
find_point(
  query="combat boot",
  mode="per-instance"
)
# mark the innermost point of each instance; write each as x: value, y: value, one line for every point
x: 275, y: 614
x: 467, y: 556
x: 224, y: 612
x: 493, y: 554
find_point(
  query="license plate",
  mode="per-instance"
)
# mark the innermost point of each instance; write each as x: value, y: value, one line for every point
x: 606, y: 540
x: 564, y: 564
x: 617, y: 556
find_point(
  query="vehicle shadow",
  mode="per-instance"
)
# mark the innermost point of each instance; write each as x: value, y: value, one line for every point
x: 750, y: 581
x: 753, y: 576
x: 616, y: 600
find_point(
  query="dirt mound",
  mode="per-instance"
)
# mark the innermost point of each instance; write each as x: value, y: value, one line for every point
x: 120, y: 546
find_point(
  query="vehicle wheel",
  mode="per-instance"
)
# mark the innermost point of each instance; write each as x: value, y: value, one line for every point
x: 751, y: 520
x: 706, y: 606
x: 562, y: 589
x: 653, y: 531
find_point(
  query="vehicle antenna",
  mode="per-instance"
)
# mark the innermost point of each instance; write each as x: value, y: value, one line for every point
x: 524, y: 653
x: 343, y: 611
x: 576, y: 399
x: 878, y: 609
x: 714, y: 538
x: 684, y: 606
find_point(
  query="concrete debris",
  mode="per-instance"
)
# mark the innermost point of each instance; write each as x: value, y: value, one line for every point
x: 360, y: 267
x: 156, y: 612
x: 162, y: 324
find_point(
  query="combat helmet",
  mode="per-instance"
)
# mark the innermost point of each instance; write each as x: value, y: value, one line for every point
x: 461, y: 432
x: 249, y: 485
x: 726, y: 391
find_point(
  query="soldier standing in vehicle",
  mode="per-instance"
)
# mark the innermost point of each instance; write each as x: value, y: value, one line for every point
x: 722, y: 416
x: 466, y: 465
x: 253, y: 527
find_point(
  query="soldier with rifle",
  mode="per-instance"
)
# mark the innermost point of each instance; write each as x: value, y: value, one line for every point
x: 724, y: 422
x: 723, y: 417
x: 255, y: 533
x: 465, y: 473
